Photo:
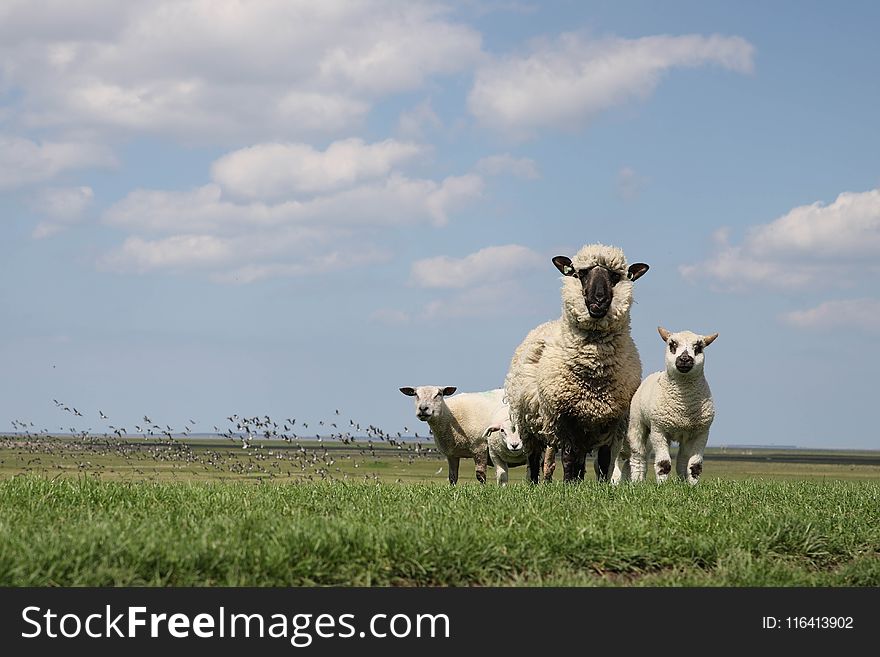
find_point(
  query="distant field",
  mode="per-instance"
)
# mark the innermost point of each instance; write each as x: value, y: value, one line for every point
x: 74, y: 532
x: 225, y: 460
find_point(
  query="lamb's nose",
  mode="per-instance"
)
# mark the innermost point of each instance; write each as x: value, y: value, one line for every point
x: 514, y: 445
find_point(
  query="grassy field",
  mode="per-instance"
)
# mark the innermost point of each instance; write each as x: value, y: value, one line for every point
x: 721, y: 533
x: 101, y: 512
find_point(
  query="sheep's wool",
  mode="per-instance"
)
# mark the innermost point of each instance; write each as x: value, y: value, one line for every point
x: 571, y: 380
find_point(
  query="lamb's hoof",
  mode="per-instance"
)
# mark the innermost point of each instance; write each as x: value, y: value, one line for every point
x: 697, y: 470
x: 664, y: 467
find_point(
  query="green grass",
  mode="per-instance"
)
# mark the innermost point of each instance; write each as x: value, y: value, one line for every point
x: 90, y: 532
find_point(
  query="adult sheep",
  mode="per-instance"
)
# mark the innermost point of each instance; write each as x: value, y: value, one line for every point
x: 458, y: 425
x: 571, y: 380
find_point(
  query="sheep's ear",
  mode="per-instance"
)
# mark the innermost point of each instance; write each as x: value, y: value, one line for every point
x: 663, y: 333
x: 563, y: 264
x: 409, y: 392
x: 637, y: 270
x: 709, y: 339
x: 448, y: 390
x: 490, y: 429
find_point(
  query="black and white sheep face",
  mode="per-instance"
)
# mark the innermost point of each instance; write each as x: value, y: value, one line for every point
x: 685, y: 352
x: 601, y: 292
x: 429, y: 400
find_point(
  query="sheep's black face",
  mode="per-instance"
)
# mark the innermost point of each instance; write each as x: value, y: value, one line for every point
x: 597, y: 283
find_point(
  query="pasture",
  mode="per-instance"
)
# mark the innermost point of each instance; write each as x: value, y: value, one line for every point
x: 102, y: 512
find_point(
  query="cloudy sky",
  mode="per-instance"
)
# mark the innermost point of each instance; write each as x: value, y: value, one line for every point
x: 288, y: 208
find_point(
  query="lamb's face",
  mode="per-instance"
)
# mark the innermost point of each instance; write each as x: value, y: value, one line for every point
x: 597, y: 288
x: 685, y: 352
x: 429, y: 400
x: 509, y: 436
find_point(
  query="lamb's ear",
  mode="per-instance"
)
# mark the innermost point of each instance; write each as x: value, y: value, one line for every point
x: 637, y: 270
x: 664, y: 333
x: 409, y: 392
x: 563, y: 264
x: 709, y: 339
x: 448, y: 390
x: 490, y: 429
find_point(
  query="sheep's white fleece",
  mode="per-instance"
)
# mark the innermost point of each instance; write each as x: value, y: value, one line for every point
x: 571, y: 380
x: 460, y: 428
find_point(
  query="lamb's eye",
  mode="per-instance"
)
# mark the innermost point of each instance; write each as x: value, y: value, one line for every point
x: 673, y: 346
x: 698, y: 348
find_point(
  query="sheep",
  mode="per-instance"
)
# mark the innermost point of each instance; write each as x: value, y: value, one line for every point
x: 459, y: 424
x: 505, y: 445
x: 571, y: 380
x: 672, y: 405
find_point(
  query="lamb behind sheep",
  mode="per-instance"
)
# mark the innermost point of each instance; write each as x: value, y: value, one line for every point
x: 571, y: 380
x: 459, y: 424
x: 505, y: 445
x: 673, y: 405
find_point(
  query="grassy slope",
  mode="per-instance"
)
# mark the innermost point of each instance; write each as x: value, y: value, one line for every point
x: 721, y: 533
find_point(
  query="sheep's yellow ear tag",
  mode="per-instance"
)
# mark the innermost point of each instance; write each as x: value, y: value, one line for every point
x: 568, y: 270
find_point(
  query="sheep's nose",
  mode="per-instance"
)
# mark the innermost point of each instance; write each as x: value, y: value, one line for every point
x: 514, y: 445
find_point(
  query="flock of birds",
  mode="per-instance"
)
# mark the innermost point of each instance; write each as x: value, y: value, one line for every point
x: 273, y: 449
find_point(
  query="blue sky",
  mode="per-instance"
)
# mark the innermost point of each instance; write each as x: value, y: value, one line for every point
x: 289, y: 208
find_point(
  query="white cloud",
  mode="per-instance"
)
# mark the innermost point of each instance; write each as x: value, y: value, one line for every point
x: 336, y: 260
x: 521, y: 167
x: 847, y: 314
x: 629, y: 184
x: 809, y: 244
x: 62, y: 207
x: 563, y: 83
x: 390, y: 316
x: 272, y: 171
x: 492, y: 263
x: 483, y: 301
x: 413, y: 123
x: 24, y: 162
x: 224, y: 70
x: 397, y: 200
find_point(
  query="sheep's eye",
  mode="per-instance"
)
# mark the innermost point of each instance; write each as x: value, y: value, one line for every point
x: 673, y: 345
x: 615, y: 277
x: 698, y: 348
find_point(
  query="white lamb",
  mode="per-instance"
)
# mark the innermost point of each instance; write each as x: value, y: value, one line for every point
x: 673, y: 405
x: 459, y: 424
x: 505, y: 445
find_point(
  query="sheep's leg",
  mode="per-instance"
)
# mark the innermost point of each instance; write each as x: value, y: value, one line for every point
x: 453, y: 469
x: 549, y: 463
x: 501, y: 472
x: 681, y: 460
x: 481, y: 461
x: 694, y: 463
x: 602, y: 464
x: 637, y: 442
x: 574, y: 459
x: 534, y: 463
x: 662, y: 460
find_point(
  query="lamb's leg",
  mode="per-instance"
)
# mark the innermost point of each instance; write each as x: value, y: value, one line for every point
x: 694, y: 463
x: 662, y: 460
x: 619, y: 461
x: 574, y: 458
x: 637, y: 442
x: 534, y: 463
x: 549, y: 463
x: 481, y: 461
x: 501, y: 473
x: 453, y: 469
